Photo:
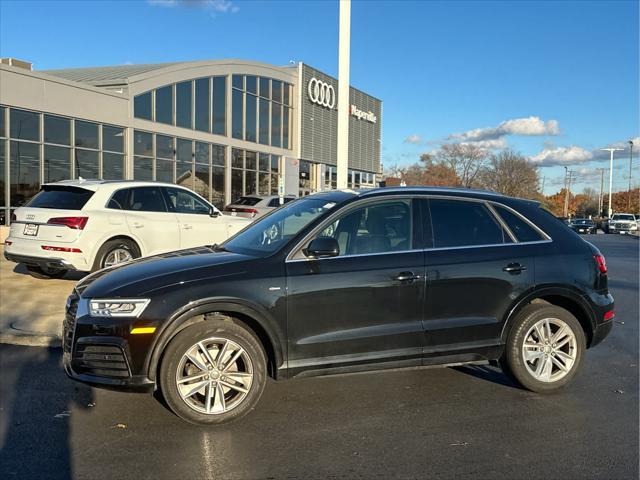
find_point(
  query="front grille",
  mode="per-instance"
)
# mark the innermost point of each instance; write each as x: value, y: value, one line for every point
x: 100, y: 360
x: 69, y: 324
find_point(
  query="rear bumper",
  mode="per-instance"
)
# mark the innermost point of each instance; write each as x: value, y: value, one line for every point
x: 601, y: 332
x: 39, y: 261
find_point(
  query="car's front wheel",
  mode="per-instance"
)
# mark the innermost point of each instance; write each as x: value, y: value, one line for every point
x: 545, y: 348
x: 45, y: 272
x: 213, y: 372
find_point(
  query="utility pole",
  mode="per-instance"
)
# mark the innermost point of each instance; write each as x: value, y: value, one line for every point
x: 542, y: 189
x: 567, y: 176
x: 344, y: 42
x: 630, y: 161
x: 611, y: 150
x: 601, y: 187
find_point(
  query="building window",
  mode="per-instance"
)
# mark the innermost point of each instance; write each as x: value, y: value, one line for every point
x: 143, y: 155
x: 237, y: 108
x: 201, y: 176
x: 57, y: 130
x: 3, y: 181
x: 164, y: 105
x: 25, y: 125
x: 113, y: 167
x: 86, y: 163
x: 57, y: 163
x: 184, y: 163
x: 24, y: 171
x: 86, y: 135
x: 3, y: 126
x: 264, y: 122
x: 219, y: 105
x: 276, y: 124
x: 250, y: 117
x: 217, y: 176
x: 164, y: 147
x: 202, y: 92
x: 184, y: 97
x: 142, y: 106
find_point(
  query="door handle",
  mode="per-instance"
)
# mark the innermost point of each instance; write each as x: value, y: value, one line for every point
x: 514, y: 268
x: 137, y: 225
x: 406, y: 277
x: 187, y: 227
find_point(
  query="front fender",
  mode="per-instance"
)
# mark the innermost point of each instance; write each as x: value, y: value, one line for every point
x: 263, y: 320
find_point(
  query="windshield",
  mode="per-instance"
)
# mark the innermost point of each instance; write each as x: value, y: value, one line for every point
x: 630, y: 218
x: 270, y: 233
x: 583, y: 222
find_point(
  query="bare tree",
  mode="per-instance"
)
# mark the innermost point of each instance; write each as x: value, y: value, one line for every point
x: 466, y: 160
x: 511, y: 174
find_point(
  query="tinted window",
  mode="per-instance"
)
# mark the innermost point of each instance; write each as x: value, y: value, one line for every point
x: 86, y: 163
x: 264, y: 88
x: 252, y: 84
x: 250, y: 117
x: 57, y: 163
x: 263, y: 132
x: 202, y: 104
x: 459, y: 223
x: 521, y: 229
x: 57, y: 130
x: 181, y: 201
x: 276, y: 90
x: 86, y: 134
x: 236, y: 114
x: 142, y: 106
x: 276, y: 124
x: 146, y: 199
x: 285, y: 127
x: 112, y: 166
x: 219, y: 105
x: 112, y: 138
x: 24, y: 172
x: 64, y: 198
x: 183, y: 104
x: 376, y: 228
x: 249, y: 201
x: 143, y: 143
x: 164, y: 105
x: 119, y: 200
x: 24, y: 125
x: 164, y: 147
x: 3, y: 133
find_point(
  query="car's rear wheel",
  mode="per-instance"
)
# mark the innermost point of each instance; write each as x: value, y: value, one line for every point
x: 545, y: 348
x: 45, y: 272
x: 115, y: 252
x: 213, y: 372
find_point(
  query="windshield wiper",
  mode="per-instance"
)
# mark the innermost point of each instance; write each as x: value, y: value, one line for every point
x: 218, y: 248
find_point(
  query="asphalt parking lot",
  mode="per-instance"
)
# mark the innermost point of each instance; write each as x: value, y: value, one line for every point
x: 433, y: 423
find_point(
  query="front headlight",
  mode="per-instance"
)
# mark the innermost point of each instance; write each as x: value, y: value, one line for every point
x: 118, y: 307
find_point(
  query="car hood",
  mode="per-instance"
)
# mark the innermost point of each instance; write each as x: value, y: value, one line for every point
x: 144, y: 275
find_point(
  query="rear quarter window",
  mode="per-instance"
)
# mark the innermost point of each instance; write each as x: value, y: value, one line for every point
x: 519, y: 227
x: 63, y: 198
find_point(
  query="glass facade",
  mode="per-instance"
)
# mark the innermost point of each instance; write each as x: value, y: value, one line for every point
x: 261, y: 110
x: 199, y: 166
x: 253, y: 173
x: 41, y: 148
x: 200, y: 104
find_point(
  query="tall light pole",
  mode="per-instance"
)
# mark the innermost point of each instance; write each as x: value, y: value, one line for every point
x: 611, y: 150
x: 630, y: 161
x: 567, y: 186
x: 344, y: 42
x: 600, y: 196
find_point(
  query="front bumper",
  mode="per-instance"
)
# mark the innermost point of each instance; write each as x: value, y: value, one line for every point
x: 102, y: 352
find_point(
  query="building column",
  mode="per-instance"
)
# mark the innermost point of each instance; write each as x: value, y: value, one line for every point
x: 343, y: 93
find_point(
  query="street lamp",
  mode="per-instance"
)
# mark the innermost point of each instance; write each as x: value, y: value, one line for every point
x: 630, y: 161
x: 611, y: 150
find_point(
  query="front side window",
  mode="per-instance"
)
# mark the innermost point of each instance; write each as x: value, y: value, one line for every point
x: 458, y: 223
x: 181, y: 201
x: 380, y: 227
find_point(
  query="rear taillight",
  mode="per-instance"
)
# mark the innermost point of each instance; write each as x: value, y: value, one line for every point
x: 252, y: 211
x: 7, y: 242
x: 72, y: 222
x: 50, y: 248
x: 601, y: 263
x: 13, y: 217
x: 609, y: 315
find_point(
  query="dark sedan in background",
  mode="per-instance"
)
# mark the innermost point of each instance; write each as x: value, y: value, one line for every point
x: 583, y: 225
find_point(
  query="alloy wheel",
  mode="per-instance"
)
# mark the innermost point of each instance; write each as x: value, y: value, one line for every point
x: 214, y: 376
x: 117, y: 256
x: 549, y: 350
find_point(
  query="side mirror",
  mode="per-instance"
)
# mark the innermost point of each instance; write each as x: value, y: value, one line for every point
x: 322, y: 247
x: 213, y: 212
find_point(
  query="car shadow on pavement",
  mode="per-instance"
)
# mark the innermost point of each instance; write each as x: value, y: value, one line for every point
x: 490, y: 373
x: 37, y: 408
x: 70, y: 275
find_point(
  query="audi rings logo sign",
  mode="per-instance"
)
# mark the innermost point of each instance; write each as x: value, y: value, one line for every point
x: 321, y: 93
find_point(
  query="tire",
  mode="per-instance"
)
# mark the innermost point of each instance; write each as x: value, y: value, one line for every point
x: 122, y: 247
x: 45, y: 273
x: 570, y: 345
x: 204, y: 407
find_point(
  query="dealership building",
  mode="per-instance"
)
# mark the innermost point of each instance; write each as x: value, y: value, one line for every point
x: 224, y: 128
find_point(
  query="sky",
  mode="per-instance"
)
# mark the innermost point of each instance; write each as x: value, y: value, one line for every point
x: 554, y: 80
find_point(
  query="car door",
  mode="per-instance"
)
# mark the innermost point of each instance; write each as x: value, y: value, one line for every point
x: 197, y: 226
x: 363, y: 306
x: 149, y: 220
x: 475, y: 270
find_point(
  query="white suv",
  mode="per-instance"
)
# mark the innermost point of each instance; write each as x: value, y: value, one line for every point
x: 87, y: 225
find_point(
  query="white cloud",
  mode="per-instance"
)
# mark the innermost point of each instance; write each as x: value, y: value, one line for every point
x: 562, y: 156
x: 530, y: 126
x: 414, y: 139
x: 215, y: 6
x: 493, y: 144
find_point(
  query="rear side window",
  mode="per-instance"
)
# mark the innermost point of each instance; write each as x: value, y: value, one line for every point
x: 146, y: 199
x: 458, y: 223
x: 119, y: 200
x: 248, y: 201
x: 521, y: 229
x: 63, y: 198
